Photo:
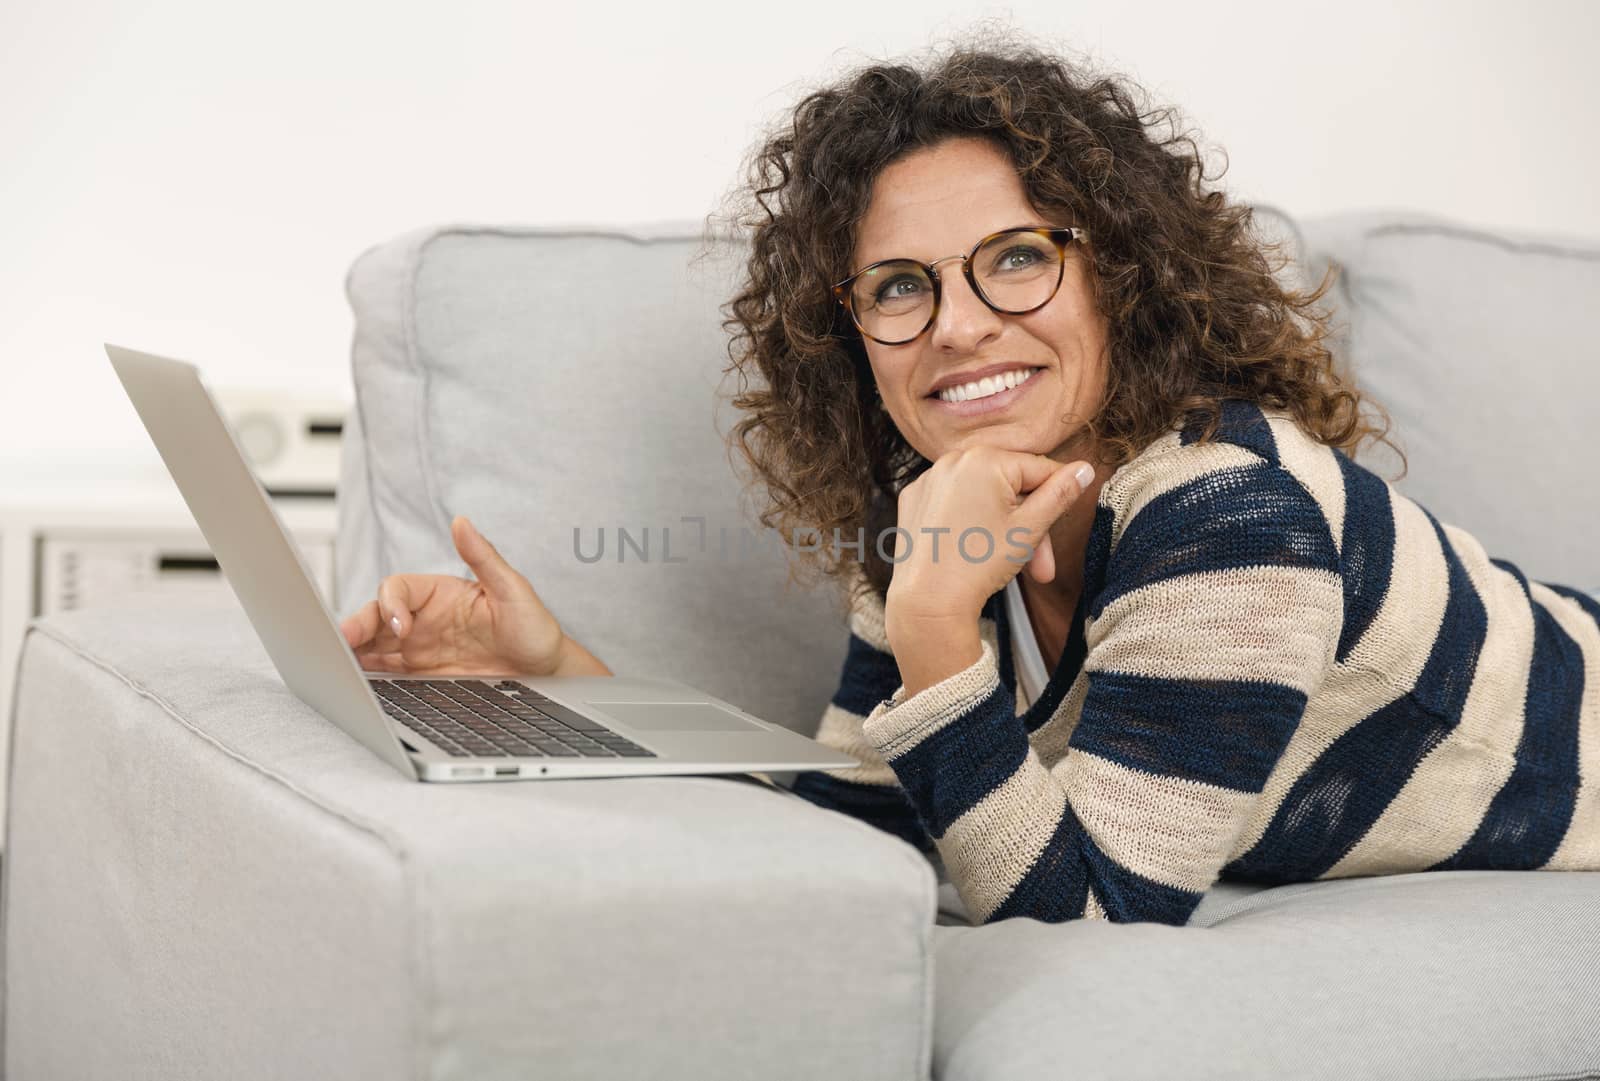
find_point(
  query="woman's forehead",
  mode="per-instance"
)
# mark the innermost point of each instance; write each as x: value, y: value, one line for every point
x: 939, y: 201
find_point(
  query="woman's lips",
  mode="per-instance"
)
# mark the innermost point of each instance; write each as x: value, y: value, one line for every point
x: 994, y: 403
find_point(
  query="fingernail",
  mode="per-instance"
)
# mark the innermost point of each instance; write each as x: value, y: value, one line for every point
x: 1085, y: 474
x: 394, y: 621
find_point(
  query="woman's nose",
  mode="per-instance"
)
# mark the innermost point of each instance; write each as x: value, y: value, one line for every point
x: 964, y: 322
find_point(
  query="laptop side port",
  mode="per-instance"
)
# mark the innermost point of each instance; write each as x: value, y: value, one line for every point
x: 505, y: 771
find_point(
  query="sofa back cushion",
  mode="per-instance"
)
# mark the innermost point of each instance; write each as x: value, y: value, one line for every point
x: 1480, y: 345
x: 547, y: 382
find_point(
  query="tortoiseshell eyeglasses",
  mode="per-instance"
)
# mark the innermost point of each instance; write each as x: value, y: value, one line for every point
x: 1015, y: 271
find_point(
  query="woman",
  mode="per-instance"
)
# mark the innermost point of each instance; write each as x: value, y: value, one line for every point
x: 988, y: 307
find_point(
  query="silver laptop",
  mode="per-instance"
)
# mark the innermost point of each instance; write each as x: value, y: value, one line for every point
x: 480, y: 728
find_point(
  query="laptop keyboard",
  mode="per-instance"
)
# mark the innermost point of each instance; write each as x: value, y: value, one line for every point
x: 471, y: 718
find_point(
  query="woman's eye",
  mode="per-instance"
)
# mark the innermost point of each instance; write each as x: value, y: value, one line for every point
x: 1017, y: 259
x: 897, y: 289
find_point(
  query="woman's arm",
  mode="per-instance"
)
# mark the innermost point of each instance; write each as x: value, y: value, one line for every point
x: 1207, y: 635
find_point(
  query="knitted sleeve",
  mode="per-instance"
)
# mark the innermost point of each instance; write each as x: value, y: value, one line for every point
x: 869, y: 791
x: 1211, y: 622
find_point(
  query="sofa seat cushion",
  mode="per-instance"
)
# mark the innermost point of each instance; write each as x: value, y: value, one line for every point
x: 1452, y: 975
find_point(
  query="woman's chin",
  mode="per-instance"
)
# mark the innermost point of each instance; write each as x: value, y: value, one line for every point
x: 1000, y: 437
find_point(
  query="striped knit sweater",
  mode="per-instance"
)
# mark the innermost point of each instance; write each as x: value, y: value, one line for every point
x: 1281, y: 669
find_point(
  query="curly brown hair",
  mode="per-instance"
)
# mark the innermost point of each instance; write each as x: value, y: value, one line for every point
x: 1186, y: 280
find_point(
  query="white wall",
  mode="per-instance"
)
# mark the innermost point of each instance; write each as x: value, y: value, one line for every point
x: 194, y: 178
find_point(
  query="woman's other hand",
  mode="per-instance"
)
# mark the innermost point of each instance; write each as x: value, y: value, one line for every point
x: 433, y: 624
x: 972, y: 521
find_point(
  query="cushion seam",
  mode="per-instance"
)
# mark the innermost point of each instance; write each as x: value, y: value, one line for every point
x: 413, y: 273
x: 384, y: 556
x: 372, y: 492
x: 1531, y: 247
x: 563, y: 233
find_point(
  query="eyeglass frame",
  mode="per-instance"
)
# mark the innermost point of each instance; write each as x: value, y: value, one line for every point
x: 1062, y: 238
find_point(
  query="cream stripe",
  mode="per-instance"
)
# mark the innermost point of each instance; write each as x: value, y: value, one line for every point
x: 1313, y: 464
x: 1279, y: 624
x: 897, y: 726
x: 1398, y: 641
x: 1170, y: 830
x: 841, y: 730
x: 1094, y: 910
x: 1580, y: 848
x: 989, y: 849
x: 1445, y: 799
x: 1132, y: 487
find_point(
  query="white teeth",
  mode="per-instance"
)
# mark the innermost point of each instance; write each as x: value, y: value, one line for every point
x: 983, y: 388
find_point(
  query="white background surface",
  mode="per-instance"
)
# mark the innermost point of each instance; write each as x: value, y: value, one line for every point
x: 195, y: 178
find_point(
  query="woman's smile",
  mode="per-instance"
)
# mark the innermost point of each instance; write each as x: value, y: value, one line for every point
x: 989, y: 394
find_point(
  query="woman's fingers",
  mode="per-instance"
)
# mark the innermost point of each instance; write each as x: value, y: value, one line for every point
x: 488, y: 565
x: 369, y: 629
x: 385, y: 660
x: 1027, y: 472
x: 1055, y: 491
x: 402, y: 595
x: 1053, y: 496
x: 361, y: 626
x: 394, y: 604
x: 1042, y: 567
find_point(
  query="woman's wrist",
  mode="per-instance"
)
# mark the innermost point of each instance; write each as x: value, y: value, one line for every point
x: 931, y: 649
x: 573, y: 660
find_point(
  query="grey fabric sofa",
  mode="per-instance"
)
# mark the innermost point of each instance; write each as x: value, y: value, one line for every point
x: 203, y: 878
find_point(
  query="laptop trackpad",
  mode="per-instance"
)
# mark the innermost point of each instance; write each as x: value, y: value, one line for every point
x: 675, y: 716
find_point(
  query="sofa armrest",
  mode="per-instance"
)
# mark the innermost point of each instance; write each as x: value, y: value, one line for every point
x: 213, y: 880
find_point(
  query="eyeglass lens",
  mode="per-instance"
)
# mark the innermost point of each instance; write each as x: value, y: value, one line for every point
x: 1016, y: 272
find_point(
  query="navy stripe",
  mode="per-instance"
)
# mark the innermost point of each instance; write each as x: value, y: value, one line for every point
x: 1132, y: 898
x: 1228, y: 733
x: 869, y: 676
x: 955, y: 767
x: 1241, y: 516
x: 1333, y: 804
x: 883, y: 806
x: 1242, y: 423
x: 1529, y: 816
x: 1055, y: 888
x: 1453, y: 663
x: 1368, y: 550
x: 1097, y: 555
